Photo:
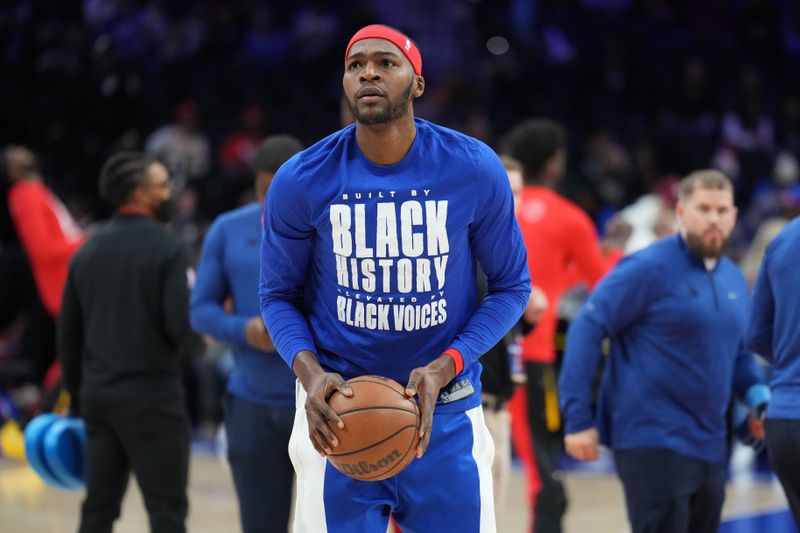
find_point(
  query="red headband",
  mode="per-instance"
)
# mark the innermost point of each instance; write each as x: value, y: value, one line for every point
x: 378, y: 31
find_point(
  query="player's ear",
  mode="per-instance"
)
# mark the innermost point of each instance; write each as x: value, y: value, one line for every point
x: 419, y: 86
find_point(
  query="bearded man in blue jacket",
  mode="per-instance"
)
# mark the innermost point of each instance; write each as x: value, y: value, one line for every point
x: 675, y: 314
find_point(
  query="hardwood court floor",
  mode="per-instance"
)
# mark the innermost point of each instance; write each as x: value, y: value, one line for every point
x: 596, y: 503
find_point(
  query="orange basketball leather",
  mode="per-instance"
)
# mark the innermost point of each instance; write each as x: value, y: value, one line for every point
x: 381, y: 429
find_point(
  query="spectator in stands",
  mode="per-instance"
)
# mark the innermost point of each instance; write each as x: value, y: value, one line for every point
x: 182, y: 146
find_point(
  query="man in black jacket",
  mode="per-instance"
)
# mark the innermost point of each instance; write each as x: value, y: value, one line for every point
x: 123, y: 324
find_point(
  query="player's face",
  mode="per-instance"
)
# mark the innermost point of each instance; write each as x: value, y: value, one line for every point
x: 706, y: 219
x: 379, y: 82
x: 515, y: 180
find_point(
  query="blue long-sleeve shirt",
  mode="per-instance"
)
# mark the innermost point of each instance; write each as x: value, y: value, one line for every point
x: 372, y: 267
x: 229, y: 266
x: 677, y: 353
x: 774, y: 330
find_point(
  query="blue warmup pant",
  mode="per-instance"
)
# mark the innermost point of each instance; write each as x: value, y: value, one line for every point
x: 258, y: 437
x: 449, y: 489
x: 666, y: 492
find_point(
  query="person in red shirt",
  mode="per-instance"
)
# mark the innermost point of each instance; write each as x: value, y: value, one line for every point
x: 45, y: 228
x: 563, y: 249
x: 48, y: 235
x: 238, y: 151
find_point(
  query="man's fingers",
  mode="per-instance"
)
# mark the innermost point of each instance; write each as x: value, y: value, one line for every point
x: 324, y: 436
x: 426, y: 425
x: 590, y: 453
x: 322, y: 421
x: 426, y: 417
x: 423, y: 443
x: 330, y: 421
x: 317, y: 438
x: 413, y: 384
x: 321, y: 444
x: 316, y: 445
x: 583, y: 452
x: 576, y: 452
x: 345, y: 389
x: 333, y: 419
x: 337, y: 383
x: 427, y: 402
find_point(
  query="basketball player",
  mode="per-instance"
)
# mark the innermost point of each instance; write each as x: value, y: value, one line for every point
x: 675, y: 313
x: 368, y: 267
x: 774, y: 334
x: 259, y: 404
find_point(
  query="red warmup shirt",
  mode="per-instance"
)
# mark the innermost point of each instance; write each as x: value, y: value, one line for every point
x: 49, y: 236
x: 563, y: 249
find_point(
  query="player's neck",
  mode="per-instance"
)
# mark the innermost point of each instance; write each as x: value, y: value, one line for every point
x: 386, y: 144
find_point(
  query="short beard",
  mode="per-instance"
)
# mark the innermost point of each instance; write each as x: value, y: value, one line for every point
x: 696, y: 245
x: 393, y: 111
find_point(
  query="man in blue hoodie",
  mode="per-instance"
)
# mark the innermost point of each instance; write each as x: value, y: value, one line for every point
x: 775, y: 335
x: 675, y: 314
x: 259, y: 404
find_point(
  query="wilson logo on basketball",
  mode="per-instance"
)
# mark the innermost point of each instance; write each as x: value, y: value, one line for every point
x: 363, y: 467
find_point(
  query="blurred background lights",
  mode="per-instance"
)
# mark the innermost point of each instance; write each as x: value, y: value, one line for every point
x: 497, y: 45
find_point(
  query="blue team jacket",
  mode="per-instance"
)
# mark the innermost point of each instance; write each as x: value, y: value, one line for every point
x: 774, y: 330
x: 677, y: 353
x: 229, y: 266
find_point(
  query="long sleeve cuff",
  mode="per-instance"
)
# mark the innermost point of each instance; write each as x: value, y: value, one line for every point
x: 757, y: 394
x: 578, y: 422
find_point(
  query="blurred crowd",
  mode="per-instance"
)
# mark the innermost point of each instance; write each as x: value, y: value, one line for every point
x: 648, y: 90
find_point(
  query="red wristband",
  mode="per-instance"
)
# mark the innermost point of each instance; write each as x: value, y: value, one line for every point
x: 457, y: 358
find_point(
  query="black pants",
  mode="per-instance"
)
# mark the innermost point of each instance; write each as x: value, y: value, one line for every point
x: 668, y: 493
x: 150, y: 438
x: 783, y: 444
x: 258, y: 452
x: 551, y: 502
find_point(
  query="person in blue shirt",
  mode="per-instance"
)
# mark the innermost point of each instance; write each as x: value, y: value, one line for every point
x: 368, y: 266
x: 774, y: 333
x: 675, y: 314
x: 259, y: 404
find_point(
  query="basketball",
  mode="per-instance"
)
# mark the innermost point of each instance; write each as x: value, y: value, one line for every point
x: 381, y: 429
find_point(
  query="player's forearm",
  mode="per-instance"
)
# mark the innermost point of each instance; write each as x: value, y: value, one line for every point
x: 287, y: 326
x: 210, y: 318
x: 306, y: 367
x: 581, y: 359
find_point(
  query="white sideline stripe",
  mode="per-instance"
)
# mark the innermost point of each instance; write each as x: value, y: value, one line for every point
x: 309, y: 513
x: 483, y: 453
